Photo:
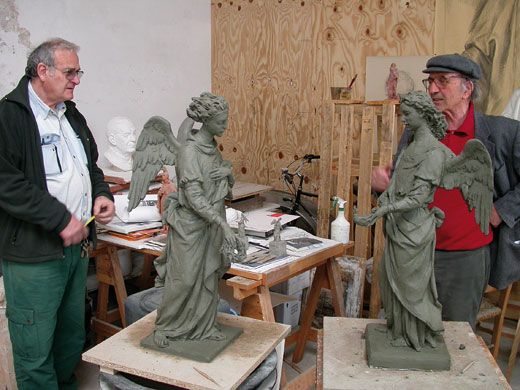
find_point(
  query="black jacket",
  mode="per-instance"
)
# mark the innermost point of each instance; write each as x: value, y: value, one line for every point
x: 31, y: 218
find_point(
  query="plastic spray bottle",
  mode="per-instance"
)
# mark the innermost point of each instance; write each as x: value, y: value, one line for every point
x: 340, y: 227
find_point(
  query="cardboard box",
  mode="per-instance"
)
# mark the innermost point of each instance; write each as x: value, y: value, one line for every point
x: 293, y: 285
x: 289, y: 312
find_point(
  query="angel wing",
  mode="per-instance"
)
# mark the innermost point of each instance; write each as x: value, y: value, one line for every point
x: 472, y: 173
x: 156, y: 147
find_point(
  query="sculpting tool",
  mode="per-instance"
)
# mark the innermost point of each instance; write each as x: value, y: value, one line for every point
x: 467, y: 366
x: 90, y: 220
x: 206, y: 376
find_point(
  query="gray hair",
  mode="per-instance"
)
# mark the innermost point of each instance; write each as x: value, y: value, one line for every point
x: 206, y: 106
x: 476, y: 94
x: 44, y: 54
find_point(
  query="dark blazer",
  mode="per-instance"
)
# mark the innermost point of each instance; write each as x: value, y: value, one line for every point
x: 501, y: 136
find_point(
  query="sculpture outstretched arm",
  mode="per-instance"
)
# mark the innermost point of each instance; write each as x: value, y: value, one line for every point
x: 472, y: 173
x: 156, y: 147
x: 418, y: 196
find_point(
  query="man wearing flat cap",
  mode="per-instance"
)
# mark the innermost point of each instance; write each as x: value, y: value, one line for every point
x: 466, y: 259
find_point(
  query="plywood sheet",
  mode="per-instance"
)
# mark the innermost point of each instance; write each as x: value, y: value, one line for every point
x: 275, y: 61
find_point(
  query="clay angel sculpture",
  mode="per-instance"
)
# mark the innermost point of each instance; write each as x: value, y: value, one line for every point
x: 200, y: 243
x: 406, y: 275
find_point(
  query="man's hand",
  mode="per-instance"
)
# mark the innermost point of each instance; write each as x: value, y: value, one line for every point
x: 104, y: 209
x: 495, y: 219
x: 381, y: 177
x: 74, y: 232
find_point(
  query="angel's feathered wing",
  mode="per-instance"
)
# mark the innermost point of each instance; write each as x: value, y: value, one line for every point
x: 156, y: 147
x: 472, y: 173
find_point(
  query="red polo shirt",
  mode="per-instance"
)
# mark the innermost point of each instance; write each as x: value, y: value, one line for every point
x: 459, y: 230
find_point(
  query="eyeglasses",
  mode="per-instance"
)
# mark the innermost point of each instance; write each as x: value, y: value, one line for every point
x: 70, y: 73
x: 441, y: 82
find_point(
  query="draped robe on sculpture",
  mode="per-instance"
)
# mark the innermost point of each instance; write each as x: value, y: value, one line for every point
x: 195, y: 264
x: 406, y: 273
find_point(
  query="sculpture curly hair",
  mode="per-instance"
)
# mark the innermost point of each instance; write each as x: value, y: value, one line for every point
x: 206, y: 106
x: 422, y: 102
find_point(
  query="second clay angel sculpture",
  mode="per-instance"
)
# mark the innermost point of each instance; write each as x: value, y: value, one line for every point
x: 200, y: 243
x: 406, y: 275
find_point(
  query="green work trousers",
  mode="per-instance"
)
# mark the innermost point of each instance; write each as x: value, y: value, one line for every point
x: 46, y: 311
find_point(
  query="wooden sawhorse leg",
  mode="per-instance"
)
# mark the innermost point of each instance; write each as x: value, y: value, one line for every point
x: 109, y: 274
x: 327, y: 276
x: 259, y: 305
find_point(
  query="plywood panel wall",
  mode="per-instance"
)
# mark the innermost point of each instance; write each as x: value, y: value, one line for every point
x: 275, y: 61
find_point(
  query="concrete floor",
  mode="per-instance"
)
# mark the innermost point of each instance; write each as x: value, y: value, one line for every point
x: 88, y: 373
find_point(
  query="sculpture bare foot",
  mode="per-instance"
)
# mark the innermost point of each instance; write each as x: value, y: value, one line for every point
x: 160, y: 339
x: 216, y: 335
x: 399, y: 342
x: 430, y: 340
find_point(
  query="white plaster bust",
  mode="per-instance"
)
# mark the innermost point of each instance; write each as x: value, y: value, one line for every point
x: 121, y: 140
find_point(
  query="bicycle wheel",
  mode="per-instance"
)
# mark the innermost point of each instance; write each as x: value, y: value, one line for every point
x: 306, y: 221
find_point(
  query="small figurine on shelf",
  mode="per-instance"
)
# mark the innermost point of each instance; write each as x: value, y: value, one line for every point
x: 277, y: 247
x: 242, y: 231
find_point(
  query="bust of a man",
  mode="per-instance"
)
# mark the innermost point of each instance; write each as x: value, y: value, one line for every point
x: 121, y: 140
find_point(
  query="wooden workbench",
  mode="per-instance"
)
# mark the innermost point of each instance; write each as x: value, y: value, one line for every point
x: 344, y: 364
x: 123, y: 352
x: 249, y: 287
x: 253, y: 289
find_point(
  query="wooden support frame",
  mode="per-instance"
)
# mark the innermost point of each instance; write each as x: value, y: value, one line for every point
x: 362, y: 136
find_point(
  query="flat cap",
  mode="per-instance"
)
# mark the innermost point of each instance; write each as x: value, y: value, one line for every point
x: 453, y: 63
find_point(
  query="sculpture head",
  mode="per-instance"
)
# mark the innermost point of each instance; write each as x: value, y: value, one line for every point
x: 452, y: 81
x: 121, y: 138
x: 211, y: 110
x: 424, y: 107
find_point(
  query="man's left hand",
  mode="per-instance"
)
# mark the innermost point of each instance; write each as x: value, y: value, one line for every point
x: 104, y: 209
x: 495, y: 219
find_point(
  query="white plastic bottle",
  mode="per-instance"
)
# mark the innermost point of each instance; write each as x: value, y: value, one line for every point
x: 340, y: 227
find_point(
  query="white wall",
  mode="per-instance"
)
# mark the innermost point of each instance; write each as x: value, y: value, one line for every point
x: 141, y: 58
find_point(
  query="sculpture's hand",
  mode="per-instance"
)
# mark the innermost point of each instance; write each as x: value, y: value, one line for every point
x: 370, y: 219
x: 230, y: 237
x: 220, y: 173
x: 232, y: 246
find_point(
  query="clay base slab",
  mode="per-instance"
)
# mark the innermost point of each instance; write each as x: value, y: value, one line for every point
x: 381, y: 353
x: 345, y: 366
x: 199, y: 350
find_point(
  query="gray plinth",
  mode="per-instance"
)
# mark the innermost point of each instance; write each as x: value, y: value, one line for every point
x: 199, y: 350
x: 381, y: 354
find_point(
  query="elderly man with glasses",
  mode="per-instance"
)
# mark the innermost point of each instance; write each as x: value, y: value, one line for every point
x: 51, y: 186
x: 465, y: 259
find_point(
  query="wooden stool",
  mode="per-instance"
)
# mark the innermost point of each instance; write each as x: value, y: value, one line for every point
x: 492, y: 308
x: 514, y: 351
